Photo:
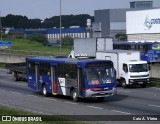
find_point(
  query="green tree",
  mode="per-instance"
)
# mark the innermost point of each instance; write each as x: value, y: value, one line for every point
x: 66, y: 41
x: 38, y: 37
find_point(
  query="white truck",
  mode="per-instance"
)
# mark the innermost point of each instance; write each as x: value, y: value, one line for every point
x: 130, y: 69
x: 87, y: 47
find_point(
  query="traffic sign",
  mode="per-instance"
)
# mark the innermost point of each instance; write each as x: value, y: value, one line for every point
x: 5, y: 43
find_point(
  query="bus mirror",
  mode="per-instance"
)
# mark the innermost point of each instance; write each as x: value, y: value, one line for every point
x: 115, y: 72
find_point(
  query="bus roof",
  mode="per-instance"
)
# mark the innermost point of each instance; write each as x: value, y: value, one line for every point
x: 64, y: 60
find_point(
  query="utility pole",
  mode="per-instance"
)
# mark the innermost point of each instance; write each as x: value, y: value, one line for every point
x: 0, y: 26
x: 60, y: 36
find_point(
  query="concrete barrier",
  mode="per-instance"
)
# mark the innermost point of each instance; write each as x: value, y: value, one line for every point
x: 12, y: 58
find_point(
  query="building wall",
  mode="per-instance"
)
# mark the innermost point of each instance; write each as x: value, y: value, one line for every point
x: 112, y: 21
x: 143, y: 37
x: 143, y: 25
x: 103, y: 17
x: 141, y: 4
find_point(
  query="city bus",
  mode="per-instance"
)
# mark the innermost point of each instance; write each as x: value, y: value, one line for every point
x: 150, y: 51
x: 78, y: 78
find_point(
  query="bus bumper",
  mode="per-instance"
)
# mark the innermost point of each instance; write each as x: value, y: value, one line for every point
x: 90, y: 93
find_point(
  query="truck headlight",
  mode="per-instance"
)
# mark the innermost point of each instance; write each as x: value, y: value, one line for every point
x: 131, y: 81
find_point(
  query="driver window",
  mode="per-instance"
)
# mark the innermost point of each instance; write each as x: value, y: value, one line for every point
x: 125, y: 68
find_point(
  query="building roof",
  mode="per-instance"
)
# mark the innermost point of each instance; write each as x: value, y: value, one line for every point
x: 66, y: 30
x: 17, y: 31
x: 49, y: 31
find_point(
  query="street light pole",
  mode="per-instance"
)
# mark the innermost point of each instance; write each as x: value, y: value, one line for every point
x: 60, y: 37
x: 0, y: 26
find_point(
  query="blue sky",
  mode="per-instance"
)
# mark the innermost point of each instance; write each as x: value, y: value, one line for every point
x: 47, y: 8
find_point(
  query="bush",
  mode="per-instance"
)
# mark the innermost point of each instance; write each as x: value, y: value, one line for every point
x: 38, y: 37
x: 67, y: 41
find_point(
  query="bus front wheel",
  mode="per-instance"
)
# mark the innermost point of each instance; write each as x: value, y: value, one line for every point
x: 74, y: 95
x: 44, y: 90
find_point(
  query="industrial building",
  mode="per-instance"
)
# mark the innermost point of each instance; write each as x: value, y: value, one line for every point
x: 52, y: 34
x: 143, y: 25
x: 109, y: 22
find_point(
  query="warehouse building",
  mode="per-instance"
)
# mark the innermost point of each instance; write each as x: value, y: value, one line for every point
x: 109, y: 22
x: 52, y: 34
x: 143, y: 25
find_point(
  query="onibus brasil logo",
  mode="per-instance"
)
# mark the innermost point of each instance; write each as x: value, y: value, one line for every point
x: 150, y: 22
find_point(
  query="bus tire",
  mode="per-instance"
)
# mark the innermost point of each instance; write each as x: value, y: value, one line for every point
x: 123, y: 82
x: 74, y: 95
x: 44, y: 90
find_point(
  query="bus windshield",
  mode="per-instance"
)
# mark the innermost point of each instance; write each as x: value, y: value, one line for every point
x: 96, y: 76
x: 138, y: 68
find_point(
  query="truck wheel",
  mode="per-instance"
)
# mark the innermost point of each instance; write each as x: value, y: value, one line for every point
x: 44, y: 91
x: 124, y: 85
x: 15, y: 77
x: 74, y: 95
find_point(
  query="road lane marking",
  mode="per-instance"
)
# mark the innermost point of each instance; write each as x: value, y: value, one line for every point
x: 18, y: 84
x: 50, y: 99
x: 15, y: 92
x: 126, y: 91
x: 121, y: 112
x: 154, y: 106
x: 95, y: 107
x: 3, y: 90
x: 70, y: 103
x: 32, y: 95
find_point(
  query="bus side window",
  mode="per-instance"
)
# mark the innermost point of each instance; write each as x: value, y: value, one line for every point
x: 146, y: 47
x: 31, y: 66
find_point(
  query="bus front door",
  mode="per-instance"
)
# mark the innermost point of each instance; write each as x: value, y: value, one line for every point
x: 80, y: 82
x: 37, y: 76
x: 53, y: 80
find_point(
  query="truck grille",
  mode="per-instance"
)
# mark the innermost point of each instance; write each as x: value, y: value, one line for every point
x: 137, y: 76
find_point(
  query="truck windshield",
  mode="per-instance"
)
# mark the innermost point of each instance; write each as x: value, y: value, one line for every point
x: 96, y: 76
x: 138, y: 67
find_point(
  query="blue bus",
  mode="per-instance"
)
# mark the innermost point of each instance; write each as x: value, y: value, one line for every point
x: 72, y: 77
x: 150, y: 51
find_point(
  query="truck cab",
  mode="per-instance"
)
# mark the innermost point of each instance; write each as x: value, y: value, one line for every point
x: 134, y: 72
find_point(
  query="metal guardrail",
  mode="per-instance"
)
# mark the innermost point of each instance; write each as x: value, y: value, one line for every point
x: 31, y: 53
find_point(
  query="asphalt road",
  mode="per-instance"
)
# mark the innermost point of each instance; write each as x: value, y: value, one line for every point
x: 131, y: 101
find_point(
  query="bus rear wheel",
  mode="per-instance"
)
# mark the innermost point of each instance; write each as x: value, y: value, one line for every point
x: 74, y: 95
x: 44, y: 90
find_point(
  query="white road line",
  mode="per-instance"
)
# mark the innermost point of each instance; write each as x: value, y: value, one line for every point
x: 121, y: 112
x: 3, y: 90
x: 22, y: 84
x: 32, y: 95
x: 155, y: 88
x: 154, y: 106
x: 15, y: 92
x: 50, y: 99
x: 126, y: 91
x: 70, y: 103
x: 95, y: 107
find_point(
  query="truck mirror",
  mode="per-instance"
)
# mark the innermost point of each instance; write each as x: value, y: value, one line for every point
x: 125, y: 69
x: 149, y: 67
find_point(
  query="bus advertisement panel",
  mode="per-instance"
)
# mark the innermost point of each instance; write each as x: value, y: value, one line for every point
x: 150, y: 51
